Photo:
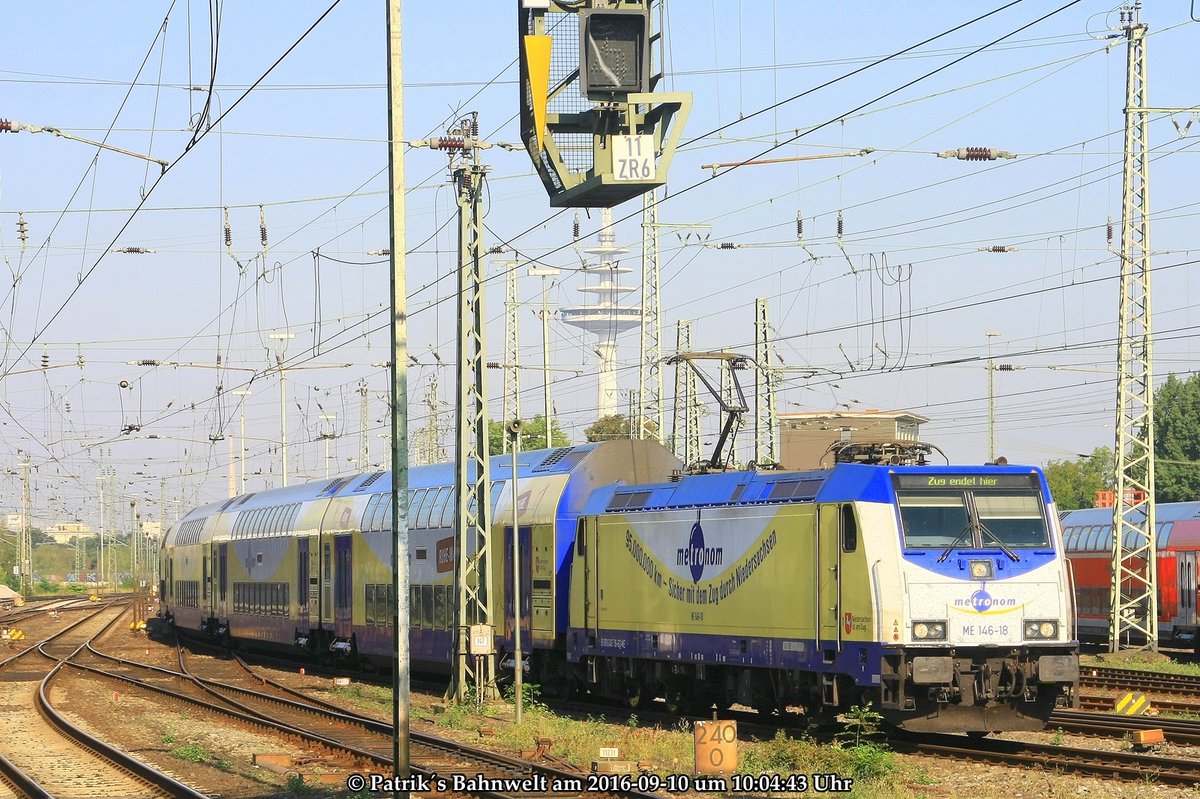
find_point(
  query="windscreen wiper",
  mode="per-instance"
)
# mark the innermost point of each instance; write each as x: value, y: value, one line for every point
x: 1005, y: 548
x: 966, y: 532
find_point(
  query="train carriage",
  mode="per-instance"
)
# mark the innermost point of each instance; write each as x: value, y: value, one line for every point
x: 1088, y: 535
x: 309, y: 566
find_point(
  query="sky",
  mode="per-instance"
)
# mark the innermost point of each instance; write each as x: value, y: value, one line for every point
x: 275, y: 114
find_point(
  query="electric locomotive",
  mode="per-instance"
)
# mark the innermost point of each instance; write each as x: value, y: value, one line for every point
x: 940, y: 595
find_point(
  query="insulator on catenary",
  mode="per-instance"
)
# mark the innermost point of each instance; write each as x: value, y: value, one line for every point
x: 22, y: 228
x: 449, y: 143
x: 6, y: 126
x: 1108, y: 231
x: 976, y: 154
x: 475, y: 125
x: 799, y: 226
x: 575, y: 232
x: 262, y: 226
x: 840, y: 224
x: 45, y: 360
x: 228, y: 231
x: 1005, y: 367
x: 728, y: 245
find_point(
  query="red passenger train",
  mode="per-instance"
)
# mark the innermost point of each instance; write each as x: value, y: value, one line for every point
x: 1088, y: 535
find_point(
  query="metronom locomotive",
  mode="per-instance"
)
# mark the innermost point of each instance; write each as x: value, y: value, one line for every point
x: 938, y: 594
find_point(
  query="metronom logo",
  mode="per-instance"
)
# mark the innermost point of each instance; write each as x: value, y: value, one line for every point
x: 982, y: 601
x: 696, y: 556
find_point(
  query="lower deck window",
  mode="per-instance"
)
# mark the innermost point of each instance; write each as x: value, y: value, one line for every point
x: 261, y: 599
x: 187, y: 593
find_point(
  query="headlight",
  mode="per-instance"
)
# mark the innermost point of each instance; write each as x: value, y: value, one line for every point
x: 981, y: 570
x: 929, y: 631
x: 1041, y: 630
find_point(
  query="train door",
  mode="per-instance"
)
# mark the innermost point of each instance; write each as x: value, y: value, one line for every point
x: 828, y: 595
x: 829, y: 605
x: 208, y: 596
x: 222, y: 576
x: 526, y: 557
x: 1186, y: 563
x: 343, y: 587
x: 306, y: 596
x: 541, y: 575
x: 586, y: 560
x: 326, y: 609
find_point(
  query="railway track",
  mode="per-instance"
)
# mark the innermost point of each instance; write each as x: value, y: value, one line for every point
x: 44, y: 755
x: 1105, y: 678
x: 1178, y: 731
x: 230, y: 677
x: 1120, y: 765
x: 359, y: 745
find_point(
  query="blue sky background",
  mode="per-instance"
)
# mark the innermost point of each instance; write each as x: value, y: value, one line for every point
x: 898, y: 312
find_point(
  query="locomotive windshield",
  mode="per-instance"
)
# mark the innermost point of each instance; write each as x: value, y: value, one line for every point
x: 947, y: 511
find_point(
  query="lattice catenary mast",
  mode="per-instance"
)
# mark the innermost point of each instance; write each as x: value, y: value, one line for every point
x: 1134, y: 565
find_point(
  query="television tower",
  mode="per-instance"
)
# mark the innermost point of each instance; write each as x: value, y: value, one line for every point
x: 605, y: 318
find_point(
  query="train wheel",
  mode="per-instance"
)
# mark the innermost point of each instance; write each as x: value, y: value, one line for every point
x: 637, y: 695
x: 676, y: 701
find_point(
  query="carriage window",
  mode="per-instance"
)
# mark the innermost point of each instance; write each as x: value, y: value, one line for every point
x: 293, y: 514
x: 449, y: 508
x: 369, y: 513
x: 437, y: 513
x: 388, y: 509
x: 427, y: 606
x: 1014, y: 519
x: 416, y: 506
x: 441, y: 605
x: 376, y: 521
x: 932, y: 520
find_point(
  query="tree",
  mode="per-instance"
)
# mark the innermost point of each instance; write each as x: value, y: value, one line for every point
x: 1074, y: 484
x: 1177, y: 440
x: 607, y: 428
x: 533, y: 435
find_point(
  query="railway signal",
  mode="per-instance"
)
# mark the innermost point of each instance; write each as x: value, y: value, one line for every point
x: 602, y: 91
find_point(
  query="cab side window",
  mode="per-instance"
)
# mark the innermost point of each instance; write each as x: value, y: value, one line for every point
x: 849, y: 529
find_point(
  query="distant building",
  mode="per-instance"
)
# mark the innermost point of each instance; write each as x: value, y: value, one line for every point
x: 152, y: 530
x: 805, y: 438
x: 13, y: 521
x: 63, y: 532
